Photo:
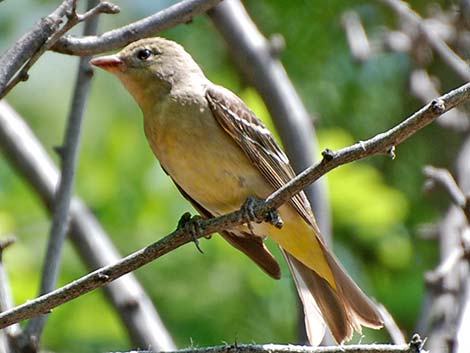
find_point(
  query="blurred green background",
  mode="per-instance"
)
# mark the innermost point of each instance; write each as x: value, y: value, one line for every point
x: 377, y: 205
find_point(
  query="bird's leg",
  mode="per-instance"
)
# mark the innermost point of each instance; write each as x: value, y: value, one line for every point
x: 192, y: 225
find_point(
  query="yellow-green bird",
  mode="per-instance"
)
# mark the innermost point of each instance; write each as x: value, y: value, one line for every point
x: 219, y: 153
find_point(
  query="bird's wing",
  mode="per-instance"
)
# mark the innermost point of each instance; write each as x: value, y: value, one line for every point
x: 251, y: 245
x: 257, y: 142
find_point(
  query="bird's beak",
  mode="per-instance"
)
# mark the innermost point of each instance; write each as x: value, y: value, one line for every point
x: 111, y: 63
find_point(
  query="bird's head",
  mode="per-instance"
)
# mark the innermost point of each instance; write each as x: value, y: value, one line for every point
x: 149, y: 68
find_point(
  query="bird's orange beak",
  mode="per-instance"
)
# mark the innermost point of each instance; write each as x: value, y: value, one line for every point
x: 110, y: 63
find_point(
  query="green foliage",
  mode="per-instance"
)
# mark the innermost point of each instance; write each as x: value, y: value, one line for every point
x: 221, y: 296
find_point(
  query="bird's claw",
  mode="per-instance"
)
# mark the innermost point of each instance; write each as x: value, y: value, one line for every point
x: 274, y: 218
x: 249, y: 214
x: 192, y: 225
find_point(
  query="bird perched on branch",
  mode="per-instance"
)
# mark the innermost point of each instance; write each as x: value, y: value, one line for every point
x: 219, y: 153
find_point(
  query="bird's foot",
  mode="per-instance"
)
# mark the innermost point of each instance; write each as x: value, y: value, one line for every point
x: 273, y: 217
x: 192, y: 225
x: 249, y: 213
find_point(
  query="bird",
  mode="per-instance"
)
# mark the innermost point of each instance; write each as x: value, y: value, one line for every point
x: 219, y: 154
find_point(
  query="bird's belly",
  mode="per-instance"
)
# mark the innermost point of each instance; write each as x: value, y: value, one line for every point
x: 218, y: 184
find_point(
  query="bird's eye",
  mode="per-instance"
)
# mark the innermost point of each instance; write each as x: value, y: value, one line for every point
x: 144, y: 54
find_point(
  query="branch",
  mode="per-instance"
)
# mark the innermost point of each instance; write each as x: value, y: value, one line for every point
x: 415, y: 346
x: 6, y: 300
x: 28, y: 157
x: 69, y: 155
x: 447, y: 299
x: 424, y: 88
x: 359, y: 44
x: 381, y: 143
x: 391, y: 326
x: 445, y: 179
x: 41, y: 38
x: 463, y: 326
x: 182, y: 12
x: 26, y: 46
x: 454, y: 61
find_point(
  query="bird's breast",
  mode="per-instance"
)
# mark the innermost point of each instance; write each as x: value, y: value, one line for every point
x: 201, y: 157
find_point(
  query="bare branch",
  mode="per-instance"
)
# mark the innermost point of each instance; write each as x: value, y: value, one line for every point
x: 182, y: 12
x: 436, y: 277
x: 447, y: 298
x: 29, y: 158
x: 356, y: 35
x: 6, y: 300
x: 391, y: 326
x: 415, y: 346
x: 12, y: 60
x: 454, y: 61
x: 380, y: 144
x: 383, y: 143
x: 46, y: 43
x: 69, y: 156
x: 424, y: 88
x: 462, y: 338
x: 445, y: 179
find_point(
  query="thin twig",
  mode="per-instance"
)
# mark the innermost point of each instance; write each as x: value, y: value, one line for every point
x: 452, y: 59
x: 391, y: 326
x: 6, y: 299
x: 72, y: 20
x: 69, y: 157
x: 424, y: 88
x: 445, y: 179
x: 448, y: 265
x: 380, y: 144
x: 181, y: 12
x: 358, y: 42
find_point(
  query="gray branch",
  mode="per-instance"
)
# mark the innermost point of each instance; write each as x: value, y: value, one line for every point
x: 415, y: 346
x: 446, y: 180
x: 424, y: 88
x: 12, y: 60
x: 69, y: 156
x: 29, y: 48
x: 451, y: 58
x: 29, y: 158
x: 182, y: 12
x: 6, y: 300
x: 447, y: 301
x: 383, y: 143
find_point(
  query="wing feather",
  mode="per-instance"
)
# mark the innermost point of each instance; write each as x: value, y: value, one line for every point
x: 257, y: 142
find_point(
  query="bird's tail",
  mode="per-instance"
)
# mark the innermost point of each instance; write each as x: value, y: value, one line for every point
x: 343, y: 310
